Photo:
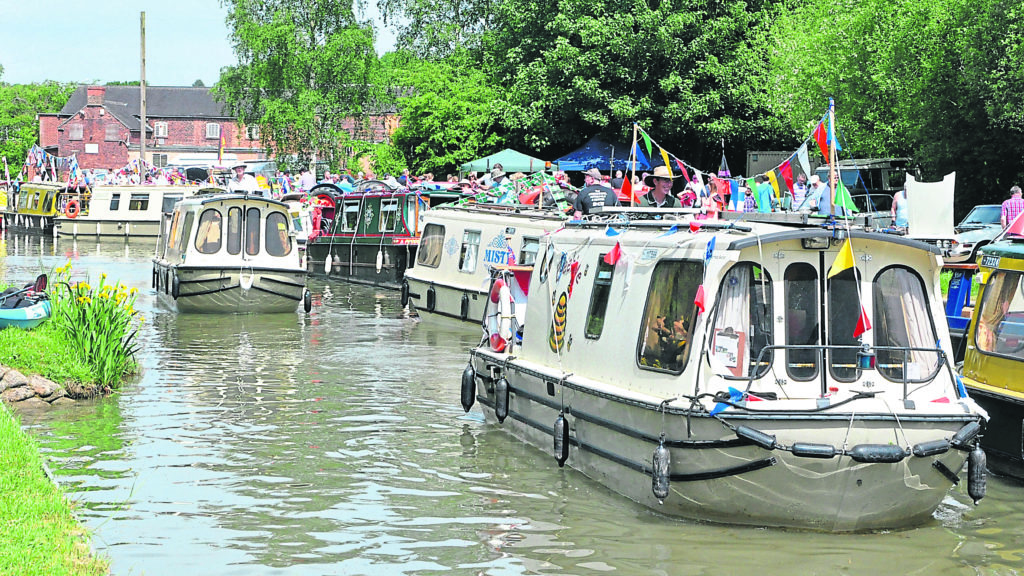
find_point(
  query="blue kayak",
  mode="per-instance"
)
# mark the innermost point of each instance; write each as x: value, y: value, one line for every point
x: 25, y: 317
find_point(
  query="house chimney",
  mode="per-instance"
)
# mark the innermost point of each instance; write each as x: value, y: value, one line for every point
x: 94, y: 95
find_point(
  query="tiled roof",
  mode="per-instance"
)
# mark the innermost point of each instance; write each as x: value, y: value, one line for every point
x: 161, y: 102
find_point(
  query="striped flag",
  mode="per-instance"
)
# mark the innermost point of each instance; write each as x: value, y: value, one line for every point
x: 220, y: 151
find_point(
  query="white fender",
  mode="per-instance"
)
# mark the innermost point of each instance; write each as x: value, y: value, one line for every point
x: 327, y: 265
x: 380, y: 260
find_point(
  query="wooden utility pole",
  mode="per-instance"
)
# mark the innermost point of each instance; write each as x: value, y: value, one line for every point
x: 142, y: 96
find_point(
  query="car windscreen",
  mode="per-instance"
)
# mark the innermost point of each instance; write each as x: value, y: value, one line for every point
x: 983, y: 215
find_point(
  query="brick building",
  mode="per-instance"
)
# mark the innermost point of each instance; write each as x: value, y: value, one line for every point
x: 101, y: 125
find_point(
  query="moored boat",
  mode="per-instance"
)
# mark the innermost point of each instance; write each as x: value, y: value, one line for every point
x: 32, y: 207
x: 459, y: 247
x: 994, y: 356
x: 126, y: 211
x: 745, y: 373
x: 230, y: 253
x: 25, y: 308
x: 368, y: 235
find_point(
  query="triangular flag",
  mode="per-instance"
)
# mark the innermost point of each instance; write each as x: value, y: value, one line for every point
x: 647, y: 142
x: 843, y: 198
x: 787, y: 174
x: 609, y: 231
x: 670, y: 231
x: 752, y: 184
x: 734, y: 194
x: 1016, y: 228
x: 573, y: 269
x: 709, y: 251
x: 612, y: 257
x: 698, y: 300
x: 863, y: 323
x: 822, y: 139
x: 682, y: 170
x: 723, y: 168
x: 627, y: 189
x: 694, y: 226
x: 805, y: 162
x: 664, y: 156
x: 843, y: 260
x: 774, y: 182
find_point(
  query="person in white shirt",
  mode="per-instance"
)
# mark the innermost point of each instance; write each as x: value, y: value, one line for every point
x: 242, y: 182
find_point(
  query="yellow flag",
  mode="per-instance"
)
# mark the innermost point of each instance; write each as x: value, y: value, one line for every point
x: 664, y: 156
x: 775, y: 183
x: 843, y: 260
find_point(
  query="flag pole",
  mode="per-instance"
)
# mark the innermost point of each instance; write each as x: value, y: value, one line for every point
x: 632, y: 154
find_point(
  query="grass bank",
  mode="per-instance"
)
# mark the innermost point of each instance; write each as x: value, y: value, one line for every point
x: 40, y: 535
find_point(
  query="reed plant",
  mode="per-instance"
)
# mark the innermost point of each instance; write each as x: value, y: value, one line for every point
x: 100, y: 324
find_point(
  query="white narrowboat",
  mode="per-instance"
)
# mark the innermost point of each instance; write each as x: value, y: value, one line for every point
x: 230, y: 253
x: 745, y: 373
x: 458, y: 248
x: 126, y: 211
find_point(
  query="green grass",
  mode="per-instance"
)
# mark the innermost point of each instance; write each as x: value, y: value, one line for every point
x: 44, y: 350
x: 40, y: 536
x: 944, y: 279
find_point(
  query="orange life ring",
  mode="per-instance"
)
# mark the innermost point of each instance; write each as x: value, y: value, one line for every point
x: 72, y: 210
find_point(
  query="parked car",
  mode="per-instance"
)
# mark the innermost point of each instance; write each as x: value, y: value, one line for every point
x: 976, y: 230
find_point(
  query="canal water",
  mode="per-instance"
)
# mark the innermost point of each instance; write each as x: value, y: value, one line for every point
x: 334, y: 443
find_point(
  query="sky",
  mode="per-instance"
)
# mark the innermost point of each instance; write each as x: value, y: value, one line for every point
x: 98, y: 41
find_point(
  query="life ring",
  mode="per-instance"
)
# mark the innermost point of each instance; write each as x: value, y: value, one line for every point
x: 72, y: 210
x: 499, y: 318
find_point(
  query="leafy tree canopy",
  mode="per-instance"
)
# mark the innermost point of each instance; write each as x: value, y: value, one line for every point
x: 19, y: 104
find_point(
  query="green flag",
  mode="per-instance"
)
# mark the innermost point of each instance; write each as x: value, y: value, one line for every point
x: 752, y: 184
x: 647, y: 143
x: 843, y: 198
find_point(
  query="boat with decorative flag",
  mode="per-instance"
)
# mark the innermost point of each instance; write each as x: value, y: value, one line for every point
x: 994, y: 356
x: 726, y: 371
x: 460, y: 246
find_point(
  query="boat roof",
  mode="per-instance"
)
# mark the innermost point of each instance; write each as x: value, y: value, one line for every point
x: 203, y: 198
x: 1011, y: 248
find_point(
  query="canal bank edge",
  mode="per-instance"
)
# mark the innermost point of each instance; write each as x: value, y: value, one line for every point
x: 33, y: 391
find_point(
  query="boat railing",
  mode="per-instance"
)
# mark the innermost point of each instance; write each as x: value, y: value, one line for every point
x: 83, y: 198
x: 866, y: 358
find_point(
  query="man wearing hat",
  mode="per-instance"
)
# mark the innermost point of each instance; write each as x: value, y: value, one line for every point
x: 495, y: 178
x: 242, y: 182
x: 660, y: 195
x: 595, y: 194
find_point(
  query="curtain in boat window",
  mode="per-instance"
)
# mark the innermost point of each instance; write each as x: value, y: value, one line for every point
x: 470, y: 249
x: 901, y: 320
x: 743, y: 323
x: 668, y: 318
x: 431, y: 244
x: 1001, y: 316
x: 252, y: 231
x: 208, y: 239
x: 277, y: 242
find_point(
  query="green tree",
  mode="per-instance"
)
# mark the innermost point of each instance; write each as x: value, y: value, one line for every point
x: 19, y: 104
x: 303, y: 69
x: 450, y: 113
x: 687, y: 71
x: 198, y: 83
x: 436, y: 29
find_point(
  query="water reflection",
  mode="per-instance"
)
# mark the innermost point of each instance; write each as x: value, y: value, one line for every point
x: 334, y: 443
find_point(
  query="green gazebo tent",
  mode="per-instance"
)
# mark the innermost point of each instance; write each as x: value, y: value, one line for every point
x: 509, y: 159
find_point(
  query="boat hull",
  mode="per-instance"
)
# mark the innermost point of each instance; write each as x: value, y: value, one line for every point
x: 118, y: 228
x: 214, y: 290
x: 358, y: 263
x: 35, y: 223
x: 718, y: 477
x: 1003, y: 439
x: 433, y: 300
x: 26, y: 317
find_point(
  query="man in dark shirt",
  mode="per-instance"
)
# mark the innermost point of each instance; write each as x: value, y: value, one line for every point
x: 595, y: 194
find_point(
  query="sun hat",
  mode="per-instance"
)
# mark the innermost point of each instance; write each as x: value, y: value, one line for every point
x: 659, y: 172
x: 593, y: 173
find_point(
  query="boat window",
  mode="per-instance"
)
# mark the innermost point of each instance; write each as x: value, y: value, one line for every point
x: 234, y: 230
x: 1001, y: 316
x: 743, y: 325
x: 351, y: 216
x: 296, y: 221
x: 252, y: 231
x: 168, y: 203
x: 139, y: 202
x: 664, y: 342
x: 208, y: 239
x: 115, y: 202
x: 51, y: 196
x: 802, y: 328
x: 599, y: 298
x: 431, y: 246
x: 278, y: 242
x: 843, y: 312
x: 388, y: 214
x: 172, y: 236
x: 470, y: 248
x: 901, y: 320
x: 528, y: 254
x: 186, y: 231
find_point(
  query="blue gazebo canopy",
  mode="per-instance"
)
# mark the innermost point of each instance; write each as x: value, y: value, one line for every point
x: 602, y: 155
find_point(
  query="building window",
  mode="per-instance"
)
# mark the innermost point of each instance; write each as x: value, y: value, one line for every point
x: 470, y: 248
x: 75, y: 132
x: 112, y: 133
x: 160, y: 129
x: 213, y: 130
x: 159, y: 160
x: 253, y: 132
